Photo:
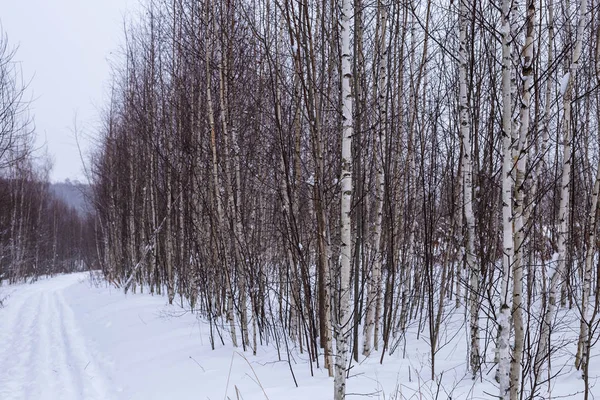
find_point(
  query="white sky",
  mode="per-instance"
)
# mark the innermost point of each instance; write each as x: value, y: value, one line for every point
x: 64, y: 47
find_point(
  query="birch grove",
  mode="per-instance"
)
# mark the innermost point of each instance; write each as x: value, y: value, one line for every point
x: 335, y: 177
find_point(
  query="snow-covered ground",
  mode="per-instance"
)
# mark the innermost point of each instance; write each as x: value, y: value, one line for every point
x: 65, y: 338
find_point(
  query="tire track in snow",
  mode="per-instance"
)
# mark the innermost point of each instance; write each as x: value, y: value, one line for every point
x: 89, y: 375
x: 40, y: 354
x: 69, y: 384
x: 18, y: 348
x: 13, y: 318
x: 43, y: 355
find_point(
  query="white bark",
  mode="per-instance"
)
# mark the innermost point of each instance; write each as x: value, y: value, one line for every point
x: 545, y: 118
x: 563, y: 213
x: 344, y: 322
x: 290, y: 207
x: 168, y: 227
x: 582, y: 356
x: 233, y: 195
x: 217, y: 183
x: 519, y: 235
x: 583, y: 346
x: 374, y: 289
x: 467, y: 171
x: 131, y: 213
x: 507, y: 186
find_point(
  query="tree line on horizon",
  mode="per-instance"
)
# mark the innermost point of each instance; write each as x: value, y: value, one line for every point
x: 40, y: 234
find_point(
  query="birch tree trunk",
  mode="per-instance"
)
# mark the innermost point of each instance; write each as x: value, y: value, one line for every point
x: 232, y: 193
x: 565, y: 185
x: 545, y: 119
x: 519, y: 230
x: 216, y: 181
x: 290, y: 206
x: 301, y: 37
x: 582, y: 357
x: 343, y: 324
x: 503, y: 347
x: 583, y: 346
x: 467, y: 170
x: 361, y: 206
x: 374, y: 289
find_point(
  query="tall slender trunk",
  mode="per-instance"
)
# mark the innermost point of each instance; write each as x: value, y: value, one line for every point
x: 216, y: 181
x: 565, y: 189
x: 583, y: 346
x: 503, y: 347
x: 519, y: 230
x: 343, y: 323
x: 374, y: 288
x: 467, y: 172
x: 233, y: 195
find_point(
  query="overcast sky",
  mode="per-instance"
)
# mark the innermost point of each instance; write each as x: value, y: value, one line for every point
x: 64, y: 47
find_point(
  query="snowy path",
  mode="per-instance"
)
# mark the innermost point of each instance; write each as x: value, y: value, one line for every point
x: 65, y: 338
x: 42, y: 350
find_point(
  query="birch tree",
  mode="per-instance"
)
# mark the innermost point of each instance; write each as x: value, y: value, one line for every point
x: 520, y: 161
x: 565, y: 188
x: 343, y: 323
x: 216, y: 182
x: 373, y: 303
x: 588, y: 314
x: 467, y: 181
x: 504, y: 325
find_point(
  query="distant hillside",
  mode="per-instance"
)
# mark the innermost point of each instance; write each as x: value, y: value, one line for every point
x: 73, y: 193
